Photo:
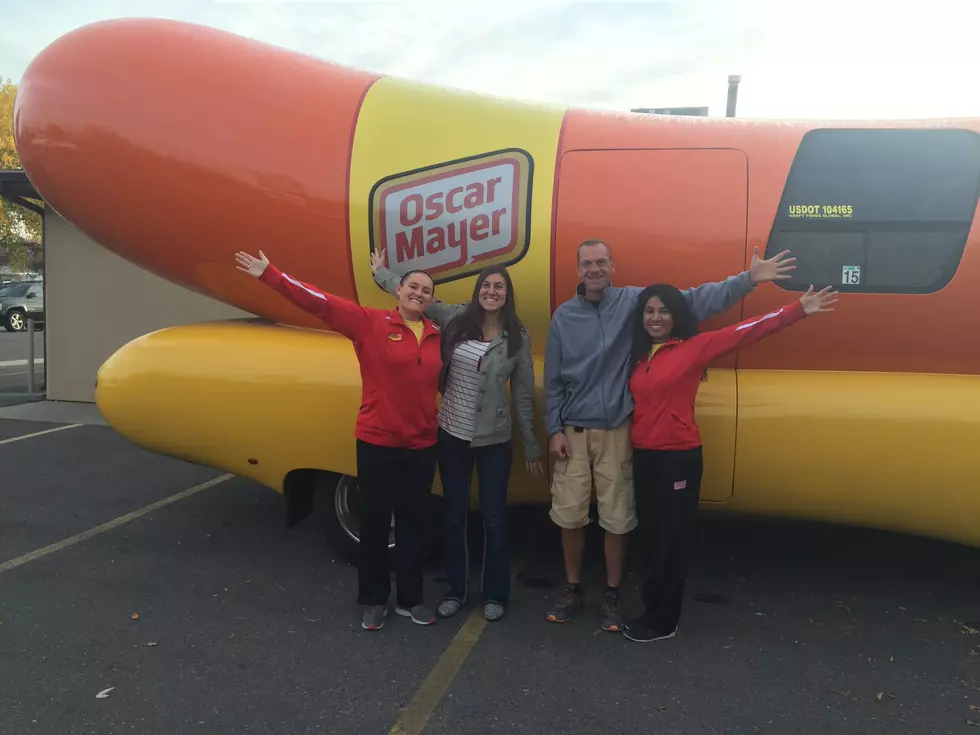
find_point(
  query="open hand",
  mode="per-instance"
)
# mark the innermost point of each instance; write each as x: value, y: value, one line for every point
x: 377, y: 260
x: 819, y: 301
x: 776, y: 268
x: 535, y: 467
x: 253, y: 266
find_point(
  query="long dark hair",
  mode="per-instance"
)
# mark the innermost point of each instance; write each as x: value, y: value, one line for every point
x: 685, y: 325
x: 469, y: 324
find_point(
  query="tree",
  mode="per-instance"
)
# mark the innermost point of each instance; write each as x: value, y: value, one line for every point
x: 20, y: 228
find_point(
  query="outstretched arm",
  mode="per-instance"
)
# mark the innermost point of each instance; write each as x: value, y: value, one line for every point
x: 344, y: 316
x: 438, y: 312
x: 722, y: 341
x: 710, y: 299
x: 717, y: 297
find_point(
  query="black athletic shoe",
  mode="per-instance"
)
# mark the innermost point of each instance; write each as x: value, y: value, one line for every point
x: 641, y: 631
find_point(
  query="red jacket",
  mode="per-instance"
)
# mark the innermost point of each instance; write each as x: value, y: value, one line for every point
x: 399, y: 374
x: 664, y: 387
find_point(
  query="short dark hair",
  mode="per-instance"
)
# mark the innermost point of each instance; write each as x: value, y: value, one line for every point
x: 589, y: 243
x: 685, y: 324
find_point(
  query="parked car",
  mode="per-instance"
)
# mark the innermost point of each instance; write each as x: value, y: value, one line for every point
x: 17, y: 300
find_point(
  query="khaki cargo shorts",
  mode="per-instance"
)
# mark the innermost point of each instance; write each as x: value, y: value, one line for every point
x: 603, y: 457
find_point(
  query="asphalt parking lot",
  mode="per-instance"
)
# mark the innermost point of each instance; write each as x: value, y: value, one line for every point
x: 243, y: 626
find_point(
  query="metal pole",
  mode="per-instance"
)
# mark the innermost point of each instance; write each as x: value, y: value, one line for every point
x: 733, y: 80
x: 30, y: 354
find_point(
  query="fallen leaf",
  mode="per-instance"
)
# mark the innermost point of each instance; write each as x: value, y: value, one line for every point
x: 971, y: 723
x: 135, y: 616
x: 891, y: 659
x: 921, y: 620
x: 905, y: 609
x: 104, y: 694
x: 152, y: 643
x: 880, y: 695
x: 974, y: 708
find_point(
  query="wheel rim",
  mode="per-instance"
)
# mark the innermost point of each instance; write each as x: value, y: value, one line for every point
x: 16, y: 321
x: 345, y: 505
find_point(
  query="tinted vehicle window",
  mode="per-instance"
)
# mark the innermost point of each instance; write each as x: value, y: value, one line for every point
x: 878, y: 211
x: 16, y: 291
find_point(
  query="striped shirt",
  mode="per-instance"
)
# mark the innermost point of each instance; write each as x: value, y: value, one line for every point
x: 457, y: 415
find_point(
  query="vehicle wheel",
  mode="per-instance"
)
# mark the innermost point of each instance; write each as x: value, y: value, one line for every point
x: 336, y: 508
x: 16, y: 321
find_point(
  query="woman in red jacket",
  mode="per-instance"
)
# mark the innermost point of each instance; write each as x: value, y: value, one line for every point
x: 400, y: 359
x: 669, y: 358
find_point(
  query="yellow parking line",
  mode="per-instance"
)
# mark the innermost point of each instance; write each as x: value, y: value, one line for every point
x: 39, y: 433
x: 415, y: 716
x: 114, y: 523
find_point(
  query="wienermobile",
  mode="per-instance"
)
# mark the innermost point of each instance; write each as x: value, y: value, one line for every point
x: 176, y: 145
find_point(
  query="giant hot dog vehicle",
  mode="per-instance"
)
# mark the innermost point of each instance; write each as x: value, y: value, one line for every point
x: 176, y: 145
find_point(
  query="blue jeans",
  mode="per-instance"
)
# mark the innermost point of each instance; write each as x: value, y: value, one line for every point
x: 456, y: 460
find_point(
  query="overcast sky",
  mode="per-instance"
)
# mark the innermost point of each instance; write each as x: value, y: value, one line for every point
x: 818, y: 59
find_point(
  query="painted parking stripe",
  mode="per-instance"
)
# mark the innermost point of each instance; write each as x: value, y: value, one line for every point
x: 114, y: 523
x: 39, y: 433
x: 19, y: 363
x: 415, y: 716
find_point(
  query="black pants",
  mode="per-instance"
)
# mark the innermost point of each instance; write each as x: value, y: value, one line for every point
x: 393, y: 480
x: 667, y: 486
x: 456, y: 461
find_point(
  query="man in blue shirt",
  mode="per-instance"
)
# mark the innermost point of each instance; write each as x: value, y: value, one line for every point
x: 589, y: 409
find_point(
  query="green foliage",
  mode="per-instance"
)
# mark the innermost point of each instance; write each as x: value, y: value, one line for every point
x: 20, y: 228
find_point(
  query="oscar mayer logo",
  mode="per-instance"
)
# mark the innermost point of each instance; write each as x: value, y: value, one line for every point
x: 455, y: 218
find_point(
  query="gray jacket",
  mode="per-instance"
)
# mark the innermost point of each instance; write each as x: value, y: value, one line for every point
x: 493, y: 416
x: 586, y: 365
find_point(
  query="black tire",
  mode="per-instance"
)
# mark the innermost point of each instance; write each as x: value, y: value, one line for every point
x: 336, y: 509
x: 16, y: 321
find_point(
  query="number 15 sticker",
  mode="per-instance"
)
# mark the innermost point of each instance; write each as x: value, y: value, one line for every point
x: 851, y: 275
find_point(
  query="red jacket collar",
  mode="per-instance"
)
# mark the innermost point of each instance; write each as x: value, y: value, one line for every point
x: 429, y: 326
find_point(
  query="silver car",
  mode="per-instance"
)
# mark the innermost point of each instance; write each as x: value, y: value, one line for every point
x: 17, y: 300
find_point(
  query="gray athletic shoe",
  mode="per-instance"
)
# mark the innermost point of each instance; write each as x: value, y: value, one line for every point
x: 493, y: 611
x: 449, y: 607
x: 374, y: 617
x: 613, y: 612
x: 568, y: 603
x: 420, y: 614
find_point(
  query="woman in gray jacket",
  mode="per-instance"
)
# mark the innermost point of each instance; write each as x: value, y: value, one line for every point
x: 484, y: 345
